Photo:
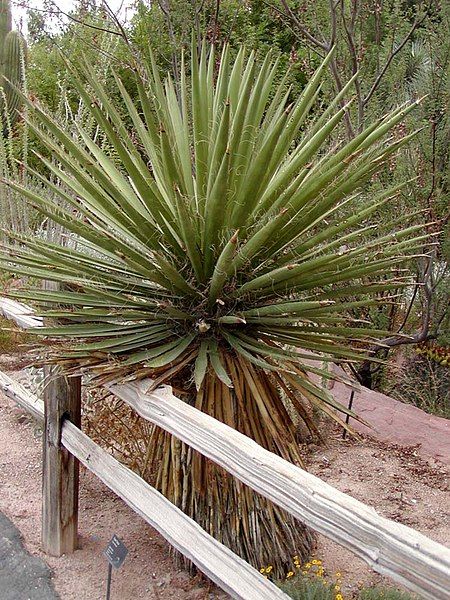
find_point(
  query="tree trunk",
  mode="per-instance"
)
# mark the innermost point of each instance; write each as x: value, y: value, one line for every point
x: 249, y: 524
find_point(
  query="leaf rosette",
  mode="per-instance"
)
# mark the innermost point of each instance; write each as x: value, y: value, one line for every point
x: 223, y: 222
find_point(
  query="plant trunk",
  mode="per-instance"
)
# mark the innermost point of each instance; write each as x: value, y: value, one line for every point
x: 249, y: 524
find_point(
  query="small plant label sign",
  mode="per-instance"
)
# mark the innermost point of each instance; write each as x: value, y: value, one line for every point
x: 116, y: 552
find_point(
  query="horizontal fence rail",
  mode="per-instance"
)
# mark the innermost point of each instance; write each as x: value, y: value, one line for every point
x: 215, y: 560
x: 388, y: 547
x: 20, y: 313
x: 25, y: 399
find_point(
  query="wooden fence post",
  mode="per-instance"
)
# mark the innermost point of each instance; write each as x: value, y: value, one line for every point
x: 60, y: 470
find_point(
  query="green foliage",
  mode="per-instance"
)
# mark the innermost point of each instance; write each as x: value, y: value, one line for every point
x: 11, y: 337
x: 305, y: 588
x: 14, y: 135
x: 380, y: 593
x: 12, y: 49
x: 253, y: 24
x: 7, y: 341
x: 401, y: 51
x: 49, y: 78
x: 237, y: 250
x: 424, y: 382
x: 157, y: 281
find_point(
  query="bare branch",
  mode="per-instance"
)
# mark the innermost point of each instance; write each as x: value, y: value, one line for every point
x: 391, y: 57
x: 408, y: 312
x: 216, y: 22
x: 424, y: 275
x: 117, y: 22
x: 349, y: 29
x: 303, y: 30
x: 58, y: 11
x: 165, y: 8
x: 338, y: 84
x: 333, y: 5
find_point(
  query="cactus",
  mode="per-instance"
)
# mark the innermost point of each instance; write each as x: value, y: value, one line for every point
x: 12, y: 46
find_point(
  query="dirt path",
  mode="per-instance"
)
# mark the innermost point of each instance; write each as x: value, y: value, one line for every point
x: 396, y: 480
x: 21, y: 574
x: 148, y: 571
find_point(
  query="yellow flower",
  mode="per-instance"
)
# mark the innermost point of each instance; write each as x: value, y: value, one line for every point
x: 337, y: 588
x: 308, y: 566
x: 290, y: 574
x: 337, y: 574
x: 315, y: 562
x: 269, y: 569
x: 295, y: 558
x: 304, y: 572
x: 339, y: 597
x: 262, y: 570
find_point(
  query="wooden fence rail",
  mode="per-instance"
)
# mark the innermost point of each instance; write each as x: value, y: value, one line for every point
x: 25, y: 399
x: 215, y: 560
x: 390, y: 548
x: 220, y: 564
x: 20, y: 313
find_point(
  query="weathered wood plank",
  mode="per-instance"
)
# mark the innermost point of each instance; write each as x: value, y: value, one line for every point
x: 35, y: 406
x: 220, y: 564
x: 21, y: 314
x: 60, y: 469
x: 390, y: 548
x: 23, y: 397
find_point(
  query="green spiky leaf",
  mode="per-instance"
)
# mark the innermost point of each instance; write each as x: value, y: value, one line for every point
x: 226, y: 221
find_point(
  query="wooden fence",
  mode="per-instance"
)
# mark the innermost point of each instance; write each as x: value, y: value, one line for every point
x: 388, y: 547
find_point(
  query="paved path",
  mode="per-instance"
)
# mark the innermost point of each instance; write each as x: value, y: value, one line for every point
x: 22, y: 576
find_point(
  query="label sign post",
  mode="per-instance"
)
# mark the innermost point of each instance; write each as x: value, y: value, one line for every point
x: 115, y: 552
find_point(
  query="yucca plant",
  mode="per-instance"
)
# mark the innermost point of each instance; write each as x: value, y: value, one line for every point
x: 219, y: 250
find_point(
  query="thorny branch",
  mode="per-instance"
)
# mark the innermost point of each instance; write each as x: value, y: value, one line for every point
x: 393, y: 54
x: 165, y: 9
x: 349, y: 22
x: 57, y: 11
x: 349, y: 28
